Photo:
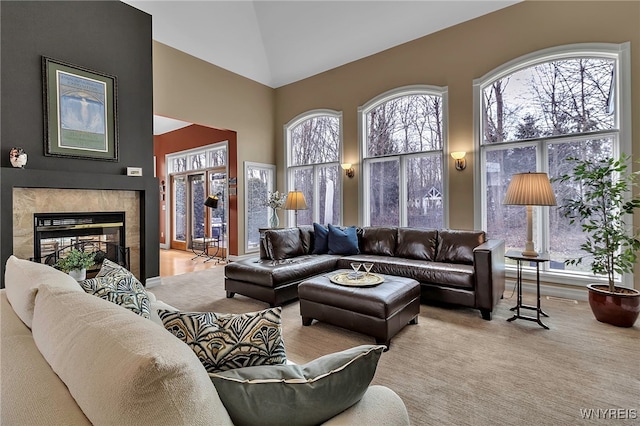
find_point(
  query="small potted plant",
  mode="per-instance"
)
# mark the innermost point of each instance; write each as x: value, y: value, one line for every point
x: 76, y: 262
x: 603, y: 207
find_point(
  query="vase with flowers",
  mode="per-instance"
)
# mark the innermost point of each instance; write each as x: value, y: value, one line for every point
x: 275, y: 202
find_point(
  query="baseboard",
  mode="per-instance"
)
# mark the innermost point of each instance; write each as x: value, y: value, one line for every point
x: 153, y: 282
x: 565, y: 292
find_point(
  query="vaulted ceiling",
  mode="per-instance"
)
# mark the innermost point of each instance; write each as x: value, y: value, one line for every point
x: 279, y: 42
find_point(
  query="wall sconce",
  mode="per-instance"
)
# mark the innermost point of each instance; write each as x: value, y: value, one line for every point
x: 461, y: 163
x: 348, y: 169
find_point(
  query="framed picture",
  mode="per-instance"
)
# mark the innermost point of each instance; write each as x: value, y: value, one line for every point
x: 80, y: 112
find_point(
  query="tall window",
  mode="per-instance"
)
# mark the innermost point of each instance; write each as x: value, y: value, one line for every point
x: 403, y: 136
x: 314, y: 142
x: 535, y: 112
x: 259, y: 180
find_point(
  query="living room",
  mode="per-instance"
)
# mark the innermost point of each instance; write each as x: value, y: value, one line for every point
x: 157, y: 79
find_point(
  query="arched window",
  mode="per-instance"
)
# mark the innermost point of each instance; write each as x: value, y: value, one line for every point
x: 536, y: 111
x: 403, y: 134
x: 314, y: 143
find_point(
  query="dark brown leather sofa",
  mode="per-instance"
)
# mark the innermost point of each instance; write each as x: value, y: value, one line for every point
x: 452, y: 266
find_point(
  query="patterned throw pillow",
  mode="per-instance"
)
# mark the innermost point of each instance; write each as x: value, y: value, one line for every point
x: 227, y: 341
x: 110, y: 269
x: 117, y: 285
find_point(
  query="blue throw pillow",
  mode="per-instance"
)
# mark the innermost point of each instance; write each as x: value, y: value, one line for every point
x: 343, y: 241
x: 321, y: 239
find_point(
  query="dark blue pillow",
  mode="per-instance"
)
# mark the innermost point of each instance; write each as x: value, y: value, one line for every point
x: 321, y: 239
x: 343, y: 241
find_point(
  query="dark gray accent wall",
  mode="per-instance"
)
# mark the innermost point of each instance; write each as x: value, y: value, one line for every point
x: 106, y: 36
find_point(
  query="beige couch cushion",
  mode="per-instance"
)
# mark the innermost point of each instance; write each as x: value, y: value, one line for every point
x: 22, y: 278
x: 32, y: 394
x: 121, y: 368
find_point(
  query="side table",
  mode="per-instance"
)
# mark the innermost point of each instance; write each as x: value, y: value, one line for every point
x: 520, y: 259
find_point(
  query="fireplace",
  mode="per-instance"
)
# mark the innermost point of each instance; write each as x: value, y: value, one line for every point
x: 29, y: 202
x: 99, y: 232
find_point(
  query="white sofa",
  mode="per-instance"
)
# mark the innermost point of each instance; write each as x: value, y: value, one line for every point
x: 71, y: 358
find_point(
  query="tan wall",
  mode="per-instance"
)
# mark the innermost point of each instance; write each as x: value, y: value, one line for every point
x: 455, y: 57
x: 189, y: 89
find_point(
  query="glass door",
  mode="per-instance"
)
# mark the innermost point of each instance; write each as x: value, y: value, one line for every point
x: 188, y: 211
x: 179, y: 216
x: 218, y: 216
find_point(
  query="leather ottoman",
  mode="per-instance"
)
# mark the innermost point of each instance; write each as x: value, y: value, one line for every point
x: 379, y: 311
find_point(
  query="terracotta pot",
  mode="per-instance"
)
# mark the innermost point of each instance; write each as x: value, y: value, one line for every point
x: 614, y: 308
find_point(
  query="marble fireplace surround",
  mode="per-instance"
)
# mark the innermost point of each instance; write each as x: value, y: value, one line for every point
x: 27, y: 201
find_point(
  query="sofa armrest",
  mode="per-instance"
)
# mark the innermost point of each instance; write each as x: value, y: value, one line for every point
x: 488, y: 262
x: 379, y: 405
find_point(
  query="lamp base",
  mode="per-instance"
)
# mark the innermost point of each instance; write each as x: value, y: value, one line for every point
x: 529, y: 250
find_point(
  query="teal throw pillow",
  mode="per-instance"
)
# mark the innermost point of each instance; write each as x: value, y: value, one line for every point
x: 320, y: 239
x: 228, y: 341
x: 343, y: 241
x: 307, y: 394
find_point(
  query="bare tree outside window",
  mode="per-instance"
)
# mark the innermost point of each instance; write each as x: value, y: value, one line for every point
x: 405, y: 138
x: 532, y: 120
x: 314, y: 155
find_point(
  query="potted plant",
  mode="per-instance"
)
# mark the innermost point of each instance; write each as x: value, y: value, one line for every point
x: 603, y: 207
x: 76, y: 262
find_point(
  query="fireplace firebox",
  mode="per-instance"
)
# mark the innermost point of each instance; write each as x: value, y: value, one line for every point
x: 99, y: 232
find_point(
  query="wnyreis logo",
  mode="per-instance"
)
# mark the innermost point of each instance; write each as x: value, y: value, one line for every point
x: 608, y: 413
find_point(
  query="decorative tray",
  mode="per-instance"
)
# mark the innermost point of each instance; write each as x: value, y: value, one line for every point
x: 361, y: 280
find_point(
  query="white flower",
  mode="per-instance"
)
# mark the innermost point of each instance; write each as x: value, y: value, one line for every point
x: 276, y: 200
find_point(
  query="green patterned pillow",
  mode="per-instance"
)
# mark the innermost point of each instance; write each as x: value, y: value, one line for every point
x: 123, y: 290
x: 227, y: 341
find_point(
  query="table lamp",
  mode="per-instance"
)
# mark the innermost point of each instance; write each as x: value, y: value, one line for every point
x: 295, y: 201
x: 530, y: 189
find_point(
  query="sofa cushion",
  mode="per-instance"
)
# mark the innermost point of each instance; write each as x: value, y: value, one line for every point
x: 274, y: 273
x: 378, y: 240
x: 308, y: 238
x: 228, y: 341
x: 21, y: 280
x: 119, y: 367
x: 123, y: 290
x: 283, y: 243
x: 441, y: 273
x: 321, y: 239
x: 343, y: 241
x: 298, y: 394
x: 457, y: 246
x: 417, y: 243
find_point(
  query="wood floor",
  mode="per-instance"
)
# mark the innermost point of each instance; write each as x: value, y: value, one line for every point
x: 176, y: 262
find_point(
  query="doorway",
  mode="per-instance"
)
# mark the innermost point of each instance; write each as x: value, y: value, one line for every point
x: 190, y: 218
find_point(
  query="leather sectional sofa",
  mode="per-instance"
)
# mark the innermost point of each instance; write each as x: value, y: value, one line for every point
x: 452, y: 266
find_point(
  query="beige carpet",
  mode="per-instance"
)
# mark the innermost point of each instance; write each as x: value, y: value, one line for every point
x: 453, y: 368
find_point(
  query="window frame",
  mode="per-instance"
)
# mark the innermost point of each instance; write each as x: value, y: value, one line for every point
x: 364, y: 188
x: 290, y: 169
x: 272, y: 187
x: 617, y: 52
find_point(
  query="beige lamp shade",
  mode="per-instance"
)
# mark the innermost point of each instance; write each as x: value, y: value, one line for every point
x: 295, y: 201
x: 530, y: 189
